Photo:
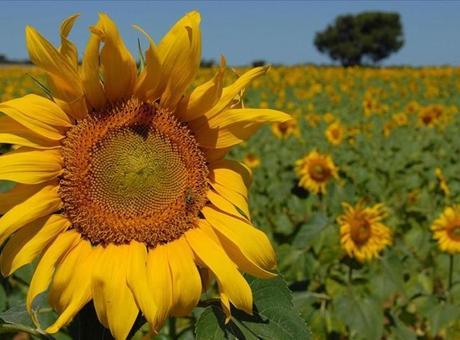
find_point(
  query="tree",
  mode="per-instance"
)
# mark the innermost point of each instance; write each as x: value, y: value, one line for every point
x: 368, y: 36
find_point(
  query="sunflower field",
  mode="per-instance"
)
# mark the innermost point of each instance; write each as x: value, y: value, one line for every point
x: 358, y: 194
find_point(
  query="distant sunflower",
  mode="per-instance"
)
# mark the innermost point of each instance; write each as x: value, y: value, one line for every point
x: 446, y: 230
x: 430, y: 115
x: 251, y: 160
x: 400, y: 118
x: 285, y: 129
x: 122, y: 188
x: 315, y: 170
x: 335, y: 133
x: 362, y: 234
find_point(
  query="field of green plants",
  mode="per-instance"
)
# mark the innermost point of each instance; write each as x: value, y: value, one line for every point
x: 392, y: 135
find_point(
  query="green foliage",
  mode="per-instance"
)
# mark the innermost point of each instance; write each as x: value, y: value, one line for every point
x: 352, y: 39
x: 273, y: 317
x: 405, y: 293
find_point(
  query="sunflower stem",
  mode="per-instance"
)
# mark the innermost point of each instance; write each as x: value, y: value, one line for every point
x: 172, y: 328
x: 17, y: 328
x: 350, y: 274
x: 451, y: 271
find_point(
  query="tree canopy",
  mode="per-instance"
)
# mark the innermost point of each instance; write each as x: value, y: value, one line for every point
x: 365, y: 37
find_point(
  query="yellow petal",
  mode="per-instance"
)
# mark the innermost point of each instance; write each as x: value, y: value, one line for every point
x: 247, y: 246
x: 230, y: 281
x: 230, y: 92
x: 231, y: 174
x: 63, y: 77
x: 30, y: 166
x: 149, y: 79
x: 180, y: 54
x: 202, y: 98
x: 46, y: 201
x: 27, y: 243
x: 186, y: 282
x: 113, y: 300
x: 68, y: 50
x: 18, y: 194
x: 90, y: 74
x: 138, y: 281
x: 119, y: 66
x: 233, y: 197
x: 38, y: 114
x: 11, y: 132
x: 225, y: 303
x: 159, y: 276
x: 47, y: 264
x: 70, y: 289
x: 224, y: 205
x: 234, y: 126
x: 213, y: 155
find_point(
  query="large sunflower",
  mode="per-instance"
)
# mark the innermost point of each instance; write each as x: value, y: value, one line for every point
x: 362, y: 233
x: 446, y: 230
x: 122, y: 188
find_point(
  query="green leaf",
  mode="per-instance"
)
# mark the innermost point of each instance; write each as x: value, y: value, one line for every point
x: 211, y: 324
x: 310, y: 232
x: 141, y: 56
x: 363, y: 315
x: 274, y: 316
x: 442, y: 315
x: 401, y: 331
x: 17, y: 315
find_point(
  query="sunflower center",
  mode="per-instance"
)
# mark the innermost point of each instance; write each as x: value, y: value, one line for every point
x: 360, y: 231
x: 319, y: 173
x: 454, y: 232
x: 335, y: 133
x: 132, y: 172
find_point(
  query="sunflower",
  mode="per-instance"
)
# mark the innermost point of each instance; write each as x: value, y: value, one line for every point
x: 335, y: 133
x: 122, y: 189
x: 400, y: 118
x: 251, y: 160
x: 362, y: 235
x: 430, y: 115
x: 285, y: 129
x: 315, y: 170
x: 446, y: 230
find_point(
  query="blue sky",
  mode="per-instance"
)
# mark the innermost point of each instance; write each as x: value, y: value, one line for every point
x: 276, y: 31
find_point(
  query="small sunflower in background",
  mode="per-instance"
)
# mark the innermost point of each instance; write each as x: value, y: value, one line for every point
x: 430, y: 115
x: 362, y: 234
x: 329, y: 117
x: 446, y: 230
x: 251, y: 160
x: 315, y: 170
x: 400, y: 119
x: 285, y: 129
x: 335, y: 133
x: 123, y: 193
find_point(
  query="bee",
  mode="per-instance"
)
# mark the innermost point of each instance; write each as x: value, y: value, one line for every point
x: 189, y: 197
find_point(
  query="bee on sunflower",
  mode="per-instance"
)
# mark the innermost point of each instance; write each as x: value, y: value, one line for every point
x: 446, y: 230
x: 362, y: 234
x: 122, y: 189
x: 315, y: 171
